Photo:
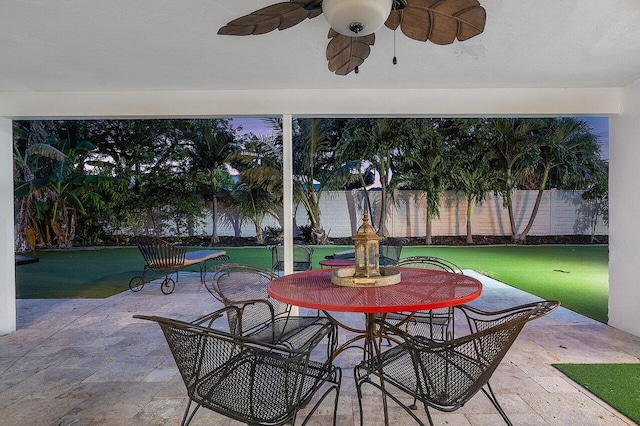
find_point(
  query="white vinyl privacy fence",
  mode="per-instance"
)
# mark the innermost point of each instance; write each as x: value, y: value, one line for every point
x: 560, y: 213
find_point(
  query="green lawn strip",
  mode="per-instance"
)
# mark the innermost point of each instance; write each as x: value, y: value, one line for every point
x: 575, y: 275
x: 616, y: 384
x: 578, y: 276
x: 98, y: 273
x: 95, y: 273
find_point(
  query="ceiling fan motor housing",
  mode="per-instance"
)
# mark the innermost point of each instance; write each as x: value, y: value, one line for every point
x: 356, y: 17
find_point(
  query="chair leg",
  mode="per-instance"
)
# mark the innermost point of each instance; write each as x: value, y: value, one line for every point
x: 494, y: 401
x: 335, y: 386
x: 186, y: 420
x: 359, y: 392
x: 362, y: 381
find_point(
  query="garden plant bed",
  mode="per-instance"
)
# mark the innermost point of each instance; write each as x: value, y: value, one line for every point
x: 478, y: 240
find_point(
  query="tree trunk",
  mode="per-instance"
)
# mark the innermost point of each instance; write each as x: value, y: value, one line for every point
x: 383, y: 207
x: 318, y: 235
x: 509, y: 203
x: 366, y: 197
x: 427, y: 239
x: 469, y: 236
x: 259, y: 236
x: 594, y: 220
x: 523, y: 236
x: 214, y: 218
x: 512, y: 220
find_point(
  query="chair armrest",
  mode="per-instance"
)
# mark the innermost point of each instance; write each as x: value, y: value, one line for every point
x: 213, y: 316
x: 210, y: 318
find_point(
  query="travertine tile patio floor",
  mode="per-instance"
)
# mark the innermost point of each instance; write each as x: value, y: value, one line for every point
x: 88, y: 362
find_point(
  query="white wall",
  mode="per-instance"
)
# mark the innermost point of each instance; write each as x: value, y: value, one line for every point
x: 8, y: 276
x: 624, y: 200
x: 301, y: 102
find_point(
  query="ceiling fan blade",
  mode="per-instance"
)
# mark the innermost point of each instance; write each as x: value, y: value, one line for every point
x: 314, y: 7
x: 393, y: 21
x: 442, y: 21
x: 277, y: 16
x: 310, y: 4
x: 346, y: 53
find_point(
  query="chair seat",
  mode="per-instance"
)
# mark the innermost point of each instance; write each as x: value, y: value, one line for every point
x: 269, y: 398
x: 450, y: 374
x: 292, y: 332
x: 254, y: 382
x: 191, y: 258
x: 430, y: 324
x: 445, y: 374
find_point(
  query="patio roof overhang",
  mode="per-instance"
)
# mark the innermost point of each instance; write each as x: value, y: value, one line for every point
x: 64, y: 59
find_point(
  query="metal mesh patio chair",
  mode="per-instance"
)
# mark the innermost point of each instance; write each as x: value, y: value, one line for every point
x: 435, y: 324
x: 263, y: 317
x: 390, y: 250
x: 244, y: 379
x: 445, y: 374
x: 169, y: 259
x: 302, y: 255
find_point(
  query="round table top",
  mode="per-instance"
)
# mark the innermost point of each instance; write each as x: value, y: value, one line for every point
x: 419, y: 289
x: 334, y: 263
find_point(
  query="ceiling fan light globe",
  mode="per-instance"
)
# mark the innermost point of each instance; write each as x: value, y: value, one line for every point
x: 342, y: 14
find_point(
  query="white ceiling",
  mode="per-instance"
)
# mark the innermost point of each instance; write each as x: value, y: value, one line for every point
x: 125, y: 45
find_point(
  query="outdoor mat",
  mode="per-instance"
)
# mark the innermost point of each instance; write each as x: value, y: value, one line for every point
x: 616, y: 384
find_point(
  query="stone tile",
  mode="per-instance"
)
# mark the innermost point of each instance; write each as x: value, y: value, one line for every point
x: 555, y: 384
x: 571, y: 409
x: 163, y: 408
x: 36, y: 411
x: 49, y: 383
x: 88, y: 362
x: 162, y: 374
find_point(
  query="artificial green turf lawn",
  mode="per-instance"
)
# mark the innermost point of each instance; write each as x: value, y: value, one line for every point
x: 575, y: 275
x: 100, y: 273
x: 616, y: 384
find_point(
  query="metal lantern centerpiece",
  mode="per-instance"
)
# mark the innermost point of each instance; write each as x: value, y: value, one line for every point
x: 366, y: 271
x: 367, y: 243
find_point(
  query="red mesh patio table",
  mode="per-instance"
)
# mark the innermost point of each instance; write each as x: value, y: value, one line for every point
x: 419, y: 289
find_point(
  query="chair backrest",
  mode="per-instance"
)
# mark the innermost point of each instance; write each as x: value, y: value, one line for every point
x: 453, y: 371
x: 390, y: 250
x: 236, y: 285
x: 249, y: 381
x: 430, y: 262
x: 158, y: 253
x: 302, y: 256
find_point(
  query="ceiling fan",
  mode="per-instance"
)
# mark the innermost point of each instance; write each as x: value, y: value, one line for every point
x: 354, y: 22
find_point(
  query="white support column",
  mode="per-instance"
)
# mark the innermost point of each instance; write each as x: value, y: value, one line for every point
x: 7, y: 268
x: 624, y: 205
x: 287, y: 183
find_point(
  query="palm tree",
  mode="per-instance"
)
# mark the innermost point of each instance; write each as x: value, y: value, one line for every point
x: 426, y: 167
x: 471, y: 171
x: 252, y: 204
x: 209, y: 150
x: 568, y: 148
x: 314, y: 169
x: 476, y: 180
x: 515, y: 149
x: 379, y: 142
x: 259, y: 163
